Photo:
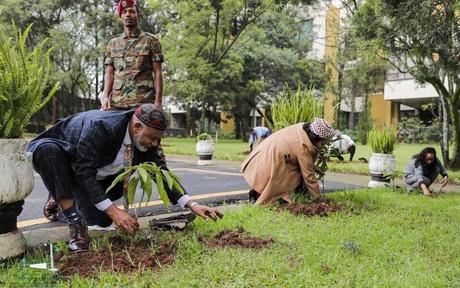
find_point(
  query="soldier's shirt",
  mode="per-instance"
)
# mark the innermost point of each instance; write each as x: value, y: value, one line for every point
x: 133, y: 58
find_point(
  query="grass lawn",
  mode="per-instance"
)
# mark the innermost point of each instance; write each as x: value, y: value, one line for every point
x: 224, y: 149
x: 385, y: 238
x: 231, y: 150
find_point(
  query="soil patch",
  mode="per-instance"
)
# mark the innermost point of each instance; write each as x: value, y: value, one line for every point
x: 236, y: 237
x: 322, y: 209
x: 121, y: 256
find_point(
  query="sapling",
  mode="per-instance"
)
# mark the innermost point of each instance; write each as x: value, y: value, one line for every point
x: 144, y: 174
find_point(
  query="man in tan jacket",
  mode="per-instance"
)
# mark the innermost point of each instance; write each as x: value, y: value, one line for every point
x: 283, y: 160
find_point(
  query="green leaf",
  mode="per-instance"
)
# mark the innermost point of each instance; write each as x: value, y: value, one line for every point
x: 143, y: 173
x: 169, y: 179
x: 161, y: 189
x: 148, y: 188
x: 132, y: 189
x: 119, y: 178
x: 178, y: 187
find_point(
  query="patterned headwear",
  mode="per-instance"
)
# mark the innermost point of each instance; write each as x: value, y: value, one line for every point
x: 322, y: 129
x: 152, y: 116
x: 122, y: 4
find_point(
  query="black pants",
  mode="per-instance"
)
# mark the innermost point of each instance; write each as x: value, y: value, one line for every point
x: 54, y: 167
x: 351, y: 150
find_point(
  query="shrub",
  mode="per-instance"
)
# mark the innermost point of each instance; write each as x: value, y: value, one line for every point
x: 383, y: 140
x: 294, y: 107
x: 203, y: 136
x: 24, y: 77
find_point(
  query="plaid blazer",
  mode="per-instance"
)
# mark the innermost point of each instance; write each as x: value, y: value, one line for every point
x: 91, y: 140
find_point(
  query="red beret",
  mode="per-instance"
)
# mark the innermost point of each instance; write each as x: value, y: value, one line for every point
x: 124, y: 4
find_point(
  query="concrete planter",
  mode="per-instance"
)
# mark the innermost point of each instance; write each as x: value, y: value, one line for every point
x: 17, y: 183
x: 379, y: 166
x: 205, y: 150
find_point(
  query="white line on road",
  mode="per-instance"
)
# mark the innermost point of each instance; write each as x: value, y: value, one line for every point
x: 31, y: 222
x: 208, y: 171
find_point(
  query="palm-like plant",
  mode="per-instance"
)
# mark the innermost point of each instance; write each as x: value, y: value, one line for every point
x: 292, y: 107
x: 383, y: 140
x: 24, y: 77
x: 146, y: 173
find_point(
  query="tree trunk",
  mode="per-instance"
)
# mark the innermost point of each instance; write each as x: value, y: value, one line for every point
x: 445, y: 131
x: 455, y: 163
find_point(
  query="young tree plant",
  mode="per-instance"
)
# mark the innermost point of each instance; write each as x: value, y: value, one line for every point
x: 145, y: 174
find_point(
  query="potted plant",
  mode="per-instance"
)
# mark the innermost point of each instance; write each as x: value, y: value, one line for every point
x: 24, y: 77
x: 382, y: 162
x: 204, y: 149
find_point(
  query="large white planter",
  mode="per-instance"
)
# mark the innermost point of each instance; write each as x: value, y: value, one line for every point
x: 205, y: 150
x: 379, y: 166
x: 17, y: 180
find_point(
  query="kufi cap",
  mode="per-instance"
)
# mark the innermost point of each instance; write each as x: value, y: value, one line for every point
x: 152, y: 116
x: 322, y: 129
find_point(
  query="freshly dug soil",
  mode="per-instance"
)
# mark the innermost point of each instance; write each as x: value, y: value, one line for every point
x: 123, y: 257
x: 312, y: 209
x: 232, y: 238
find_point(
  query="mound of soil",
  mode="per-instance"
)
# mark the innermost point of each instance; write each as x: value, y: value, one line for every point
x: 312, y: 209
x: 232, y: 238
x: 124, y: 256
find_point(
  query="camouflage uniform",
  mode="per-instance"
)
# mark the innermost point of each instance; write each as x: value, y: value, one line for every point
x: 133, y: 59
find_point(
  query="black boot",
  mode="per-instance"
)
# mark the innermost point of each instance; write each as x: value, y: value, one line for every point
x: 51, y: 209
x: 253, y: 196
x: 79, y: 238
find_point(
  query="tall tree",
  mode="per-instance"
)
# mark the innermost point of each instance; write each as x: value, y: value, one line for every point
x: 420, y: 37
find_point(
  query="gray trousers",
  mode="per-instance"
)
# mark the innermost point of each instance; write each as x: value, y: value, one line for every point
x: 413, y: 183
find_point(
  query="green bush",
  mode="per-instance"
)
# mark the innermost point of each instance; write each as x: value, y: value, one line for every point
x: 24, y: 77
x: 203, y: 136
x: 383, y: 140
x: 412, y: 130
x: 294, y: 107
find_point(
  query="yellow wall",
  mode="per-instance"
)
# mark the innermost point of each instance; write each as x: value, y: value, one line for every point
x: 331, y: 52
x: 383, y: 112
x: 227, y: 122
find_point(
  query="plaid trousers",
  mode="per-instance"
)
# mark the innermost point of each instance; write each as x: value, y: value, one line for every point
x: 54, y: 166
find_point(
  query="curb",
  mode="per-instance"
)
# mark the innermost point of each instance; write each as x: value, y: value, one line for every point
x: 38, y: 237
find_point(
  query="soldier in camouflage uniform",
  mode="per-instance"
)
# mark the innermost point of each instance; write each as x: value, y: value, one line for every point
x: 133, y: 74
x: 133, y: 65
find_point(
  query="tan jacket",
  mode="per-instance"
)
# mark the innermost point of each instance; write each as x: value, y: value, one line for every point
x: 280, y: 163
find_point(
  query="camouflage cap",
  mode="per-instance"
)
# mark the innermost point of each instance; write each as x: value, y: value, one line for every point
x: 150, y: 115
x: 124, y: 4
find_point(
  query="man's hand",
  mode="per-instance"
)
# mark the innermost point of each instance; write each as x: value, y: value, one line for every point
x: 205, y: 212
x: 444, y: 181
x: 124, y: 221
x: 105, y: 105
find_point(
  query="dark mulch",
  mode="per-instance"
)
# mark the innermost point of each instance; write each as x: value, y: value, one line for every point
x: 323, y: 208
x: 125, y: 256
x: 237, y: 237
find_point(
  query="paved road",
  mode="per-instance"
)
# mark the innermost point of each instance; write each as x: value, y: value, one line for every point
x: 197, y: 180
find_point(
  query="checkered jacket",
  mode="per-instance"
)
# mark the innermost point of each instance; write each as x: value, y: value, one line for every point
x: 91, y: 140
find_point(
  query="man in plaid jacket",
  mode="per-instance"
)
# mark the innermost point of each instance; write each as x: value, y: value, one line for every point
x: 76, y: 159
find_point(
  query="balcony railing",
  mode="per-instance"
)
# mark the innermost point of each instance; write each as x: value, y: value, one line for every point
x: 398, y: 76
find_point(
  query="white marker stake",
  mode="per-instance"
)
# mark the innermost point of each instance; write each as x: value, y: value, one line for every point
x: 52, y: 269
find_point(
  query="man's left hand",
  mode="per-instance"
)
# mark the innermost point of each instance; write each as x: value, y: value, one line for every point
x: 206, y: 212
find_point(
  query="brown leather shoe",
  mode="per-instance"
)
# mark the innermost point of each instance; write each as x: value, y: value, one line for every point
x: 51, y: 209
x: 79, y: 239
